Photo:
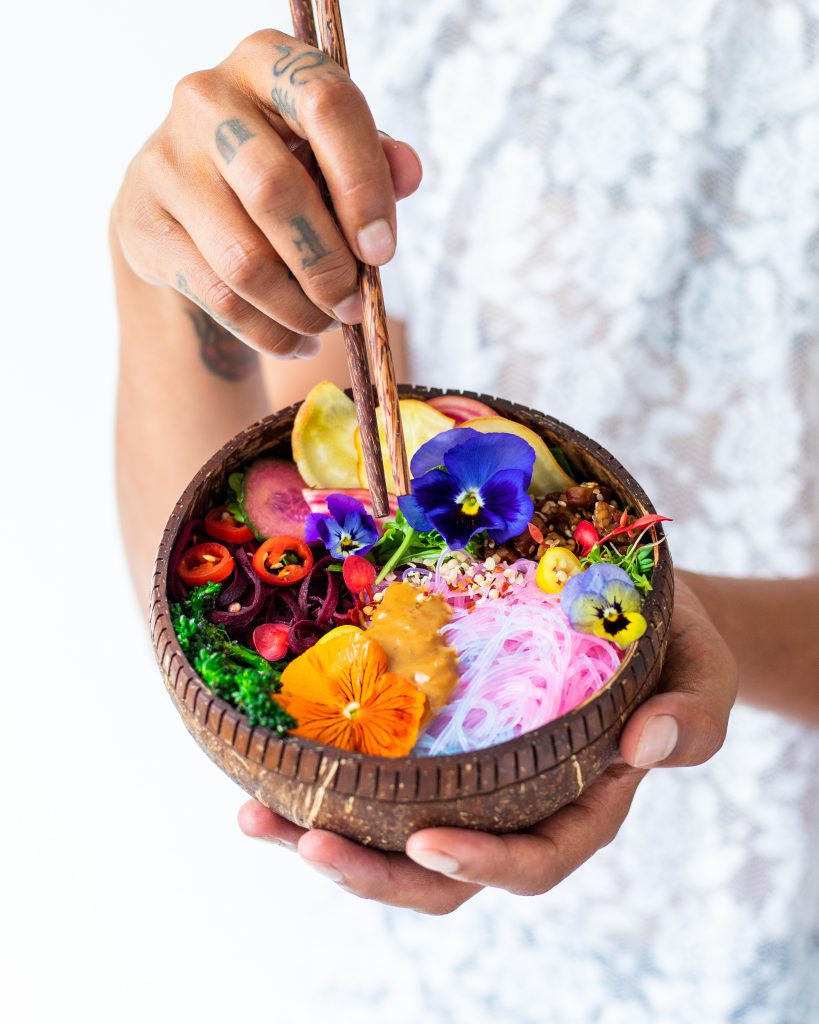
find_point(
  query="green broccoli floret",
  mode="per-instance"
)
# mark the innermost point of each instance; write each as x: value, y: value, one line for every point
x: 233, y: 672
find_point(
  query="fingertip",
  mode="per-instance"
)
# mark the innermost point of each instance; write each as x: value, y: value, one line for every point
x: 320, y: 846
x: 375, y: 243
x: 259, y: 822
x: 405, y: 166
x: 313, y: 845
x: 309, y: 348
x: 673, y: 730
x: 655, y: 743
x: 255, y: 819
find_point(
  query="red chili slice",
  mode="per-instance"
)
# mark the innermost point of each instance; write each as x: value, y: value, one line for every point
x: 205, y: 563
x: 283, y: 561
x: 222, y: 525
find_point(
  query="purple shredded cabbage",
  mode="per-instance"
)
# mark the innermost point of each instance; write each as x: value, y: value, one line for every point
x: 304, y: 634
x: 318, y: 604
x: 234, y: 590
x: 249, y: 611
x: 177, y: 590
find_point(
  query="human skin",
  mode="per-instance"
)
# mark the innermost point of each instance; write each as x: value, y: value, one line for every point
x: 222, y: 248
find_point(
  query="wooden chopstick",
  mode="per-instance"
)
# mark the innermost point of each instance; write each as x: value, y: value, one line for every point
x: 375, y: 317
x: 304, y: 24
x: 375, y: 330
x: 304, y: 27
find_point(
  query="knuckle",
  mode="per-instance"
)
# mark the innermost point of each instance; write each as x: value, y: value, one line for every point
x: 242, y: 266
x: 272, y: 194
x: 332, y: 278
x: 221, y: 298
x: 330, y: 99
x: 197, y: 89
x: 276, y: 340
x: 301, y: 316
x: 143, y: 219
x: 313, y: 322
x: 363, y: 189
x: 157, y: 158
x: 262, y: 40
x: 610, y: 834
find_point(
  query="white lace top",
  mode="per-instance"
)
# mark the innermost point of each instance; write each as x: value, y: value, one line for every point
x: 619, y: 224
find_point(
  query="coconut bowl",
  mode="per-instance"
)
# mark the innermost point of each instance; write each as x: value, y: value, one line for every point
x: 380, y: 801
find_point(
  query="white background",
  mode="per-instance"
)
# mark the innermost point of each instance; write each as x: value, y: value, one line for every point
x: 127, y: 892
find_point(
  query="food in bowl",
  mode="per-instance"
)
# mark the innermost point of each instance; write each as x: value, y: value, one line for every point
x: 498, y: 596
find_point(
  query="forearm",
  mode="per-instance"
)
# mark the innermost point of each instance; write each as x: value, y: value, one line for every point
x: 186, y: 385
x: 772, y: 628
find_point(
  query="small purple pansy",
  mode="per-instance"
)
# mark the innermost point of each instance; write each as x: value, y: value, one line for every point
x: 348, y: 530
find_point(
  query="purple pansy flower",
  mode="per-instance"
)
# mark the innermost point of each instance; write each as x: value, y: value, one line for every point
x: 348, y: 530
x: 465, y: 482
x: 604, y: 601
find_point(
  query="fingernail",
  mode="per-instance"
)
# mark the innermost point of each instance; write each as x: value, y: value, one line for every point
x: 376, y: 243
x: 325, y: 869
x: 276, y: 842
x: 309, y: 348
x: 657, y: 742
x: 334, y: 325
x: 350, y: 310
x: 433, y: 860
x: 386, y: 134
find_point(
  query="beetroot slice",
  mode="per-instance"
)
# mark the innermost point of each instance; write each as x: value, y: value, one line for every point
x: 460, y: 408
x: 272, y: 500
x: 317, y: 499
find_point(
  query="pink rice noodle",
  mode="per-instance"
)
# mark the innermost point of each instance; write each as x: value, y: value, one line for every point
x: 522, y: 665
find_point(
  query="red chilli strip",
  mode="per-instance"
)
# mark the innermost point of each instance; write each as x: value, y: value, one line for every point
x: 535, y: 533
x: 359, y: 574
x: 638, y: 524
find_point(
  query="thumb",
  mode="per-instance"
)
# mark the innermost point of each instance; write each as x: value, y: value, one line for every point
x: 685, y: 724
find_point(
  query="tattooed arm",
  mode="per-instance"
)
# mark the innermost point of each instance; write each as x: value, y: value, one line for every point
x: 222, y: 245
x: 186, y: 385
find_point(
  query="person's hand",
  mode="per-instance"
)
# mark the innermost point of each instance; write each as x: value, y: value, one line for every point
x: 222, y: 205
x: 683, y: 725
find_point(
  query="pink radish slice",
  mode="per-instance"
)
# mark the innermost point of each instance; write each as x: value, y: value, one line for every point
x: 317, y: 499
x: 271, y: 640
x: 460, y: 408
x: 272, y: 498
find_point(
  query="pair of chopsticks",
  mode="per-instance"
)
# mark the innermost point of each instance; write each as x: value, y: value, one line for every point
x: 367, y: 345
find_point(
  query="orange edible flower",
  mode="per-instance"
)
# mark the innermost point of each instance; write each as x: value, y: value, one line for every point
x: 341, y: 694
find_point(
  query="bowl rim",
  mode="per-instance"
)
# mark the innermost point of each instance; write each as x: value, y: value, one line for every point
x: 567, y: 735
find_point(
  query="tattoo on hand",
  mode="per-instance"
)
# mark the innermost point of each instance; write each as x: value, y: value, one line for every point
x: 230, y: 135
x: 298, y: 68
x: 297, y: 63
x: 308, y: 241
x: 283, y: 102
x: 221, y: 352
x: 224, y: 355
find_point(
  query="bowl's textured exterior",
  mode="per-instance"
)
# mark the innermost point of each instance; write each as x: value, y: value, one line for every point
x: 381, y: 801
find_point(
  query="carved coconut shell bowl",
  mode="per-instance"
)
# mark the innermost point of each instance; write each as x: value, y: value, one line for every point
x: 381, y: 801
